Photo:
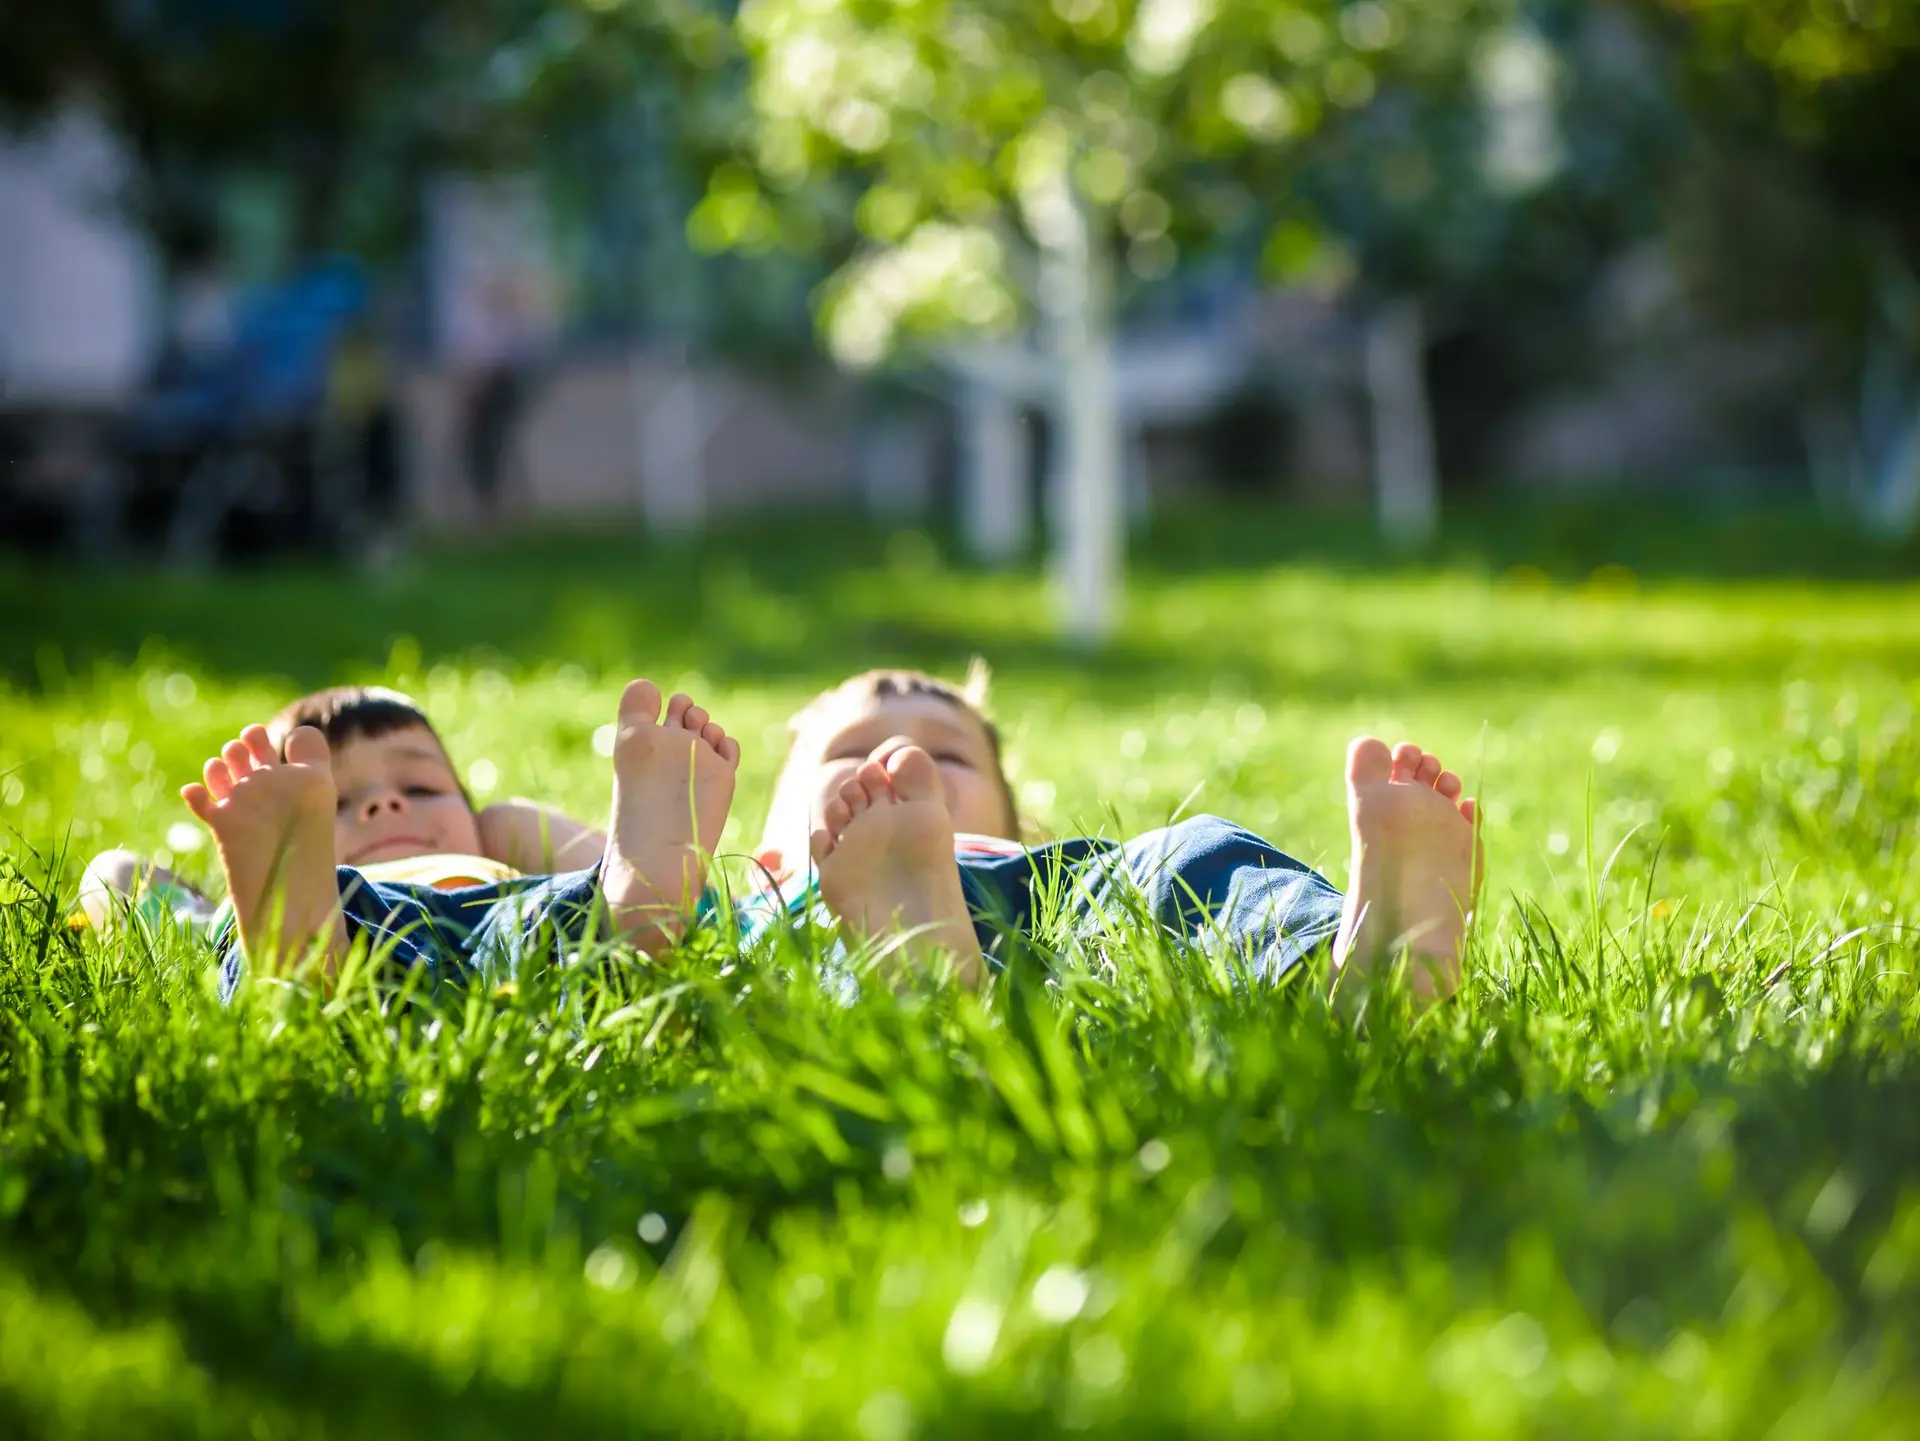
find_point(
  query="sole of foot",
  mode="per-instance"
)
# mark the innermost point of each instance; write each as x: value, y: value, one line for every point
x: 673, y: 780
x: 884, y: 852
x: 272, y: 822
x: 1416, y: 866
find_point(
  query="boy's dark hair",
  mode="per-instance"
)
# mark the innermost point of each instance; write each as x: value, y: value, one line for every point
x: 349, y: 712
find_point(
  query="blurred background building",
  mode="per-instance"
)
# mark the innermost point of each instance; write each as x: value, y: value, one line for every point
x: 305, y: 273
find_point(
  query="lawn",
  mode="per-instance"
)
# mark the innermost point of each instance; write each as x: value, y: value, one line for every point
x: 1656, y: 1171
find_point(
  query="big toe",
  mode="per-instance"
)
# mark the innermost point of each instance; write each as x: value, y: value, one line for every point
x: 640, y: 703
x: 307, y: 746
x: 1368, y: 761
x: 915, y: 776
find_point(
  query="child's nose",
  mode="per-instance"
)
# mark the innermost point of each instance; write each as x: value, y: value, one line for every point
x: 382, y: 803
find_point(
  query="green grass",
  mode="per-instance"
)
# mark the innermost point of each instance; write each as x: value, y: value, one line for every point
x: 1652, y: 1174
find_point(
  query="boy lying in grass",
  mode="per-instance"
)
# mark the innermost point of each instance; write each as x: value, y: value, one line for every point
x: 400, y: 813
x: 894, y: 790
x: 345, y: 816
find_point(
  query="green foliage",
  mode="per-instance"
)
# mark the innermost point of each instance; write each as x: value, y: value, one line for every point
x: 1650, y: 1175
x: 1503, y: 171
x: 1809, y: 42
x: 312, y: 91
x: 962, y: 128
x: 351, y: 104
x: 1832, y: 87
x: 1794, y: 213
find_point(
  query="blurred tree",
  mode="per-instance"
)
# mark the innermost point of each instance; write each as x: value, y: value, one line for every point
x: 998, y: 157
x: 624, y: 109
x: 350, y: 102
x: 1488, y: 181
x: 1808, y: 44
x: 199, y: 86
x: 1808, y: 214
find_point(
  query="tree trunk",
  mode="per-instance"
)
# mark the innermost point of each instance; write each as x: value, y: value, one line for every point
x: 1867, y: 471
x: 1894, y: 504
x: 1833, y: 459
x: 672, y: 427
x: 1089, y: 510
x: 1406, y: 476
x: 995, y: 524
x: 1881, y: 449
x: 893, y: 470
x: 1890, y: 405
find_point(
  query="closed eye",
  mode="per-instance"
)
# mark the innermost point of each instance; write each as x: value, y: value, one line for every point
x: 955, y: 758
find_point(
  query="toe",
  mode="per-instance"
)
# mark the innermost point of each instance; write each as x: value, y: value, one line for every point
x: 259, y: 746
x: 1469, y: 809
x: 854, y: 796
x: 713, y: 733
x: 837, y: 817
x: 1448, y: 785
x: 873, y: 776
x: 307, y: 746
x: 1368, y: 761
x: 914, y: 775
x: 640, y: 703
x: 729, y: 750
x: 1406, y: 760
x: 198, y: 800
x: 239, y: 762
x: 821, y: 844
x: 218, y: 778
x: 677, y: 708
x: 1428, y: 771
x: 883, y: 752
x: 695, y: 718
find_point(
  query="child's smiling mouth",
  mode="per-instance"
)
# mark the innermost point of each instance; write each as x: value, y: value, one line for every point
x: 406, y: 846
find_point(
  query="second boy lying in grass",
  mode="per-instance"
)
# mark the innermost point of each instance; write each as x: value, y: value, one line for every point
x: 894, y: 791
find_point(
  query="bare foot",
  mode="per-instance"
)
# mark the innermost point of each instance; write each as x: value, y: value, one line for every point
x: 885, y: 855
x: 273, y: 823
x: 1416, y: 865
x: 672, y: 787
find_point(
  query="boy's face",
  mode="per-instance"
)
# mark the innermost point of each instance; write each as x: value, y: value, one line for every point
x: 399, y: 798
x: 955, y: 740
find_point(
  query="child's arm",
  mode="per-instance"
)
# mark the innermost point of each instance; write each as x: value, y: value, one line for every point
x: 536, y: 839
